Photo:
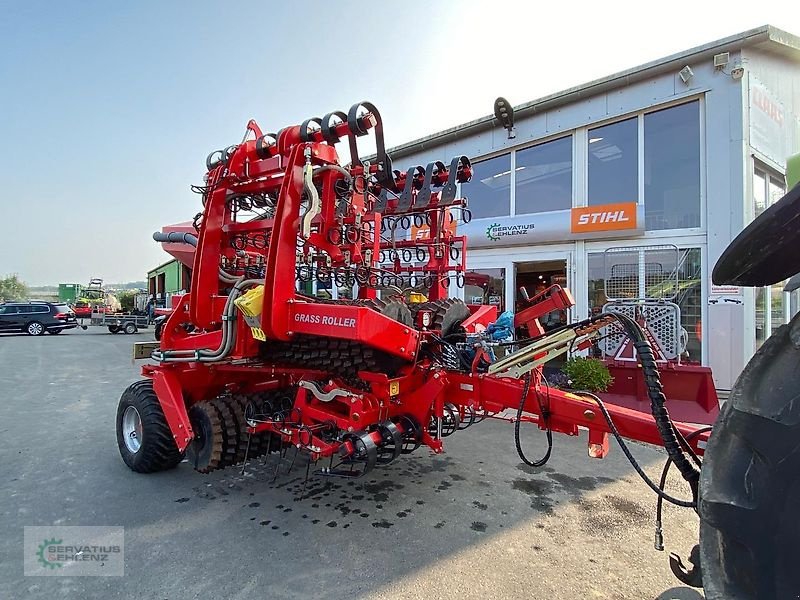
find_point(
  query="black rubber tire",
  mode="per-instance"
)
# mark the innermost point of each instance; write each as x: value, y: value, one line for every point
x: 113, y: 329
x: 34, y: 328
x: 158, y: 451
x: 205, y: 451
x: 157, y: 331
x: 130, y: 328
x: 54, y: 331
x: 749, y: 484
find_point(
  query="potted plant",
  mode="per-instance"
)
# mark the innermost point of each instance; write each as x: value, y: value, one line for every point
x: 588, y: 374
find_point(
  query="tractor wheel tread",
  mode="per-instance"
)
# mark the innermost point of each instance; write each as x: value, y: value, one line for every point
x: 158, y: 451
x: 748, y: 484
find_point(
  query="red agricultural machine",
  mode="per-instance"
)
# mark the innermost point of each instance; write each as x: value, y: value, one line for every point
x: 249, y: 363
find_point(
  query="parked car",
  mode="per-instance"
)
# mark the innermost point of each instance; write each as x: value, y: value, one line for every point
x: 34, y: 318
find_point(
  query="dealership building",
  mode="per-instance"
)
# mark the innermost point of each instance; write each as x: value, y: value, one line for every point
x: 634, y: 179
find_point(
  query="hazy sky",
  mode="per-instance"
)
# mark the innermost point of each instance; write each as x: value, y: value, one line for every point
x: 108, y: 109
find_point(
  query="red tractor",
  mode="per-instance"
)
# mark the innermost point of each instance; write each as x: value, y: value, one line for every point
x: 251, y: 363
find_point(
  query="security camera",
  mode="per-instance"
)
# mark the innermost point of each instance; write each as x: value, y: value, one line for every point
x: 737, y: 72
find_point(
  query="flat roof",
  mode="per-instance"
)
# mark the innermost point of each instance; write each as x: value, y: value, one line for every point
x: 776, y: 39
x: 161, y: 266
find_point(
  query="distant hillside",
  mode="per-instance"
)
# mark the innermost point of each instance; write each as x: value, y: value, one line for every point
x: 53, y: 289
x: 131, y: 285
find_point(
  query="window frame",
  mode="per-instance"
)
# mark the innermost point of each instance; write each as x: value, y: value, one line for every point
x: 639, y: 120
x: 700, y: 99
x: 580, y: 162
x: 572, y: 135
x: 512, y: 179
x: 43, y: 309
x: 769, y: 176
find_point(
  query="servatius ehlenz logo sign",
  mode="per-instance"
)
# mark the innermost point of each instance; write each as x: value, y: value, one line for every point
x: 496, y: 231
x: 63, y: 550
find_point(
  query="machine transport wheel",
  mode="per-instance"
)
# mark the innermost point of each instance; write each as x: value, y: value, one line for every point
x: 34, y: 328
x: 157, y: 331
x: 749, y: 484
x: 130, y: 328
x: 143, y: 436
x: 113, y: 328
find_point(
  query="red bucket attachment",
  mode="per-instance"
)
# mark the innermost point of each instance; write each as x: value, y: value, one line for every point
x: 690, y: 392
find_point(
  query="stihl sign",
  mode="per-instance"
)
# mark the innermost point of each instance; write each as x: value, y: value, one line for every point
x: 606, y: 217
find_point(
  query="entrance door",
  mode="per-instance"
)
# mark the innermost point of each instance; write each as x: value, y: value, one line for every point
x: 535, y: 277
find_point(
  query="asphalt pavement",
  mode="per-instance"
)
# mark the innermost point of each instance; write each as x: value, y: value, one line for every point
x: 471, y: 523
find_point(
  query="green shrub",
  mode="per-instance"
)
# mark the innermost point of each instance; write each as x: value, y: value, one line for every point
x: 127, y: 299
x: 588, y: 374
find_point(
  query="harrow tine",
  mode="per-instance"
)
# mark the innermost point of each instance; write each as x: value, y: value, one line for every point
x: 294, y: 458
x: 305, y: 481
x: 423, y: 198
x: 407, y: 197
x: 246, y: 452
x: 448, y: 194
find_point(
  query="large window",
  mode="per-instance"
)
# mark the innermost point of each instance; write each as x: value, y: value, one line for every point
x: 543, y: 177
x: 614, y: 163
x: 672, y: 167
x: 772, y: 304
x: 680, y: 274
x: 489, y: 192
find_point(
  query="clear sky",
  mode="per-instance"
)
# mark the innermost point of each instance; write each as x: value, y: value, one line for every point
x: 108, y: 109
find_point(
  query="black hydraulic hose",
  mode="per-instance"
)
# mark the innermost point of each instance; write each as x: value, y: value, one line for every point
x: 176, y: 237
x: 544, y: 416
x: 655, y: 392
x: 620, y: 440
x: 659, y: 539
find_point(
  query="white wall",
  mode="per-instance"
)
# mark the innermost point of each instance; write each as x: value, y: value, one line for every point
x: 723, y: 181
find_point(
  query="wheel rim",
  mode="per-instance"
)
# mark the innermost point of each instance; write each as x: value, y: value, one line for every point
x: 132, y: 429
x: 35, y: 328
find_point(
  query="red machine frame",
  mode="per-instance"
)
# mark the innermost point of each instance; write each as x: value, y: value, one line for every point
x: 332, y: 221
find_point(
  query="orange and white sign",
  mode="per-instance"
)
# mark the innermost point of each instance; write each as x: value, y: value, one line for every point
x: 423, y: 232
x: 605, y: 217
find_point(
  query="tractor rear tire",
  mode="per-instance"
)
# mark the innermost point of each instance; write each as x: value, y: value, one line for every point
x: 144, y: 438
x: 749, y: 484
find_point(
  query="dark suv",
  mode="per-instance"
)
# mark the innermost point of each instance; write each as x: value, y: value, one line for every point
x: 35, y: 318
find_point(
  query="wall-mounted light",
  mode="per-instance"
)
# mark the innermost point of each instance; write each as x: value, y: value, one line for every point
x: 737, y: 72
x: 686, y: 74
x: 504, y: 113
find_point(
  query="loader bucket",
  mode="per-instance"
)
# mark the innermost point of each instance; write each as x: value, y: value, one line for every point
x: 690, y: 392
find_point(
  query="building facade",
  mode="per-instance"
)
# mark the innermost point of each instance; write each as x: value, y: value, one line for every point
x: 650, y: 171
x: 167, y: 279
